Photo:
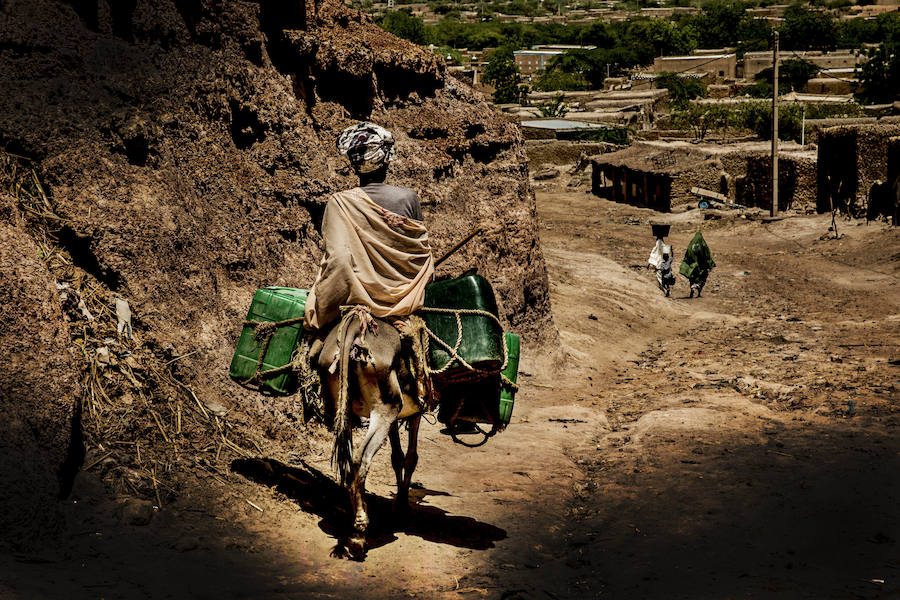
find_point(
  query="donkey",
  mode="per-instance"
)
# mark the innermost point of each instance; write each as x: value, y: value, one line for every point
x: 366, y: 373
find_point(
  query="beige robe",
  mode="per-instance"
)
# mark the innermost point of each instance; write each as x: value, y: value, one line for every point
x: 373, y: 257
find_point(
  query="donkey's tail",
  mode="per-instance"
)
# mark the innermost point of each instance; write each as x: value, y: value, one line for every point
x: 342, y: 452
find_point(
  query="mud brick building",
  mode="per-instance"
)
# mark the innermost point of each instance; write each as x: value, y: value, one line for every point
x: 660, y: 175
x: 796, y: 181
x: 850, y: 159
x: 652, y: 176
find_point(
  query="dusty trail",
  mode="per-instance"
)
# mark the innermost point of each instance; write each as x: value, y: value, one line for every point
x: 743, y: 444
x: 750, y: 454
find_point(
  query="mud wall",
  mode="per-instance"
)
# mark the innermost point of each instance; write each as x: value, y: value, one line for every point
x: 186, y: 148
x: 796, y: 183
x: 851, y: 159
x: 705, y: 175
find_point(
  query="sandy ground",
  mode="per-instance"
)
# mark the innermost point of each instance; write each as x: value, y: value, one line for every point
x: 739, y: 445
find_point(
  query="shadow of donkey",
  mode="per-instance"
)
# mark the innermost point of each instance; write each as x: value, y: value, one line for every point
x: 318, y: 494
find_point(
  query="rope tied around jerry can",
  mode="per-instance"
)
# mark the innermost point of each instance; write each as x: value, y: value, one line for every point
x: 454, y: 351
x: 263, y: 332
x: 426, y: 336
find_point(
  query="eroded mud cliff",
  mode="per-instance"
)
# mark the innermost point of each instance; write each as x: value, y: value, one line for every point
x: 180, y: 154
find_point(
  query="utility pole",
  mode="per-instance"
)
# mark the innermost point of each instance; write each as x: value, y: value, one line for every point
x: 774, y: 210
x: 803, y: 124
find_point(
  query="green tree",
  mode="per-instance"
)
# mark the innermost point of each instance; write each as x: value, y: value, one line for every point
x: 792, y: 76
x: 681, y: 89
x: 403, y: 23
x: 719, y: 23
x: 722, y: 23
x: 880, y: 75
x: 597, y: 34
x: 550, y: 80
x: 804, y: 29
x: 853, y: 33
x: 658, y: 37
x: 502, y: 73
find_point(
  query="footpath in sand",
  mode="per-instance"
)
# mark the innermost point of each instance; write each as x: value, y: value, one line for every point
x: 740, y: 445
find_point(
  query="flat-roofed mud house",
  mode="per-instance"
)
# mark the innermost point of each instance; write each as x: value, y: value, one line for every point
x: 656, y: 177
x: 754, y: 62
x: 660, y: 175
x: 718, y: 66
x: 851, y: 159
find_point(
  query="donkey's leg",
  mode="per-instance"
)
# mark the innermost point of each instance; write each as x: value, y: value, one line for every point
x: 397, y: 457
x: 412, y: 458
x: 380, y: 419
x: 404, y: 463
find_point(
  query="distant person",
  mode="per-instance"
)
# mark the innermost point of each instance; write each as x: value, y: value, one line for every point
x: 697, y: 264
x: 664, y: 275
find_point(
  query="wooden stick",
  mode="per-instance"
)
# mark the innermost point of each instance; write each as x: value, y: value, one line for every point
x: 98, y: 461
x: 459, y: 245
x: 177, y: 358
x: 155, y: 486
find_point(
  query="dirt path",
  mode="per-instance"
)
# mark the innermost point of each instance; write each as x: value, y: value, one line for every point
x: 743, y: 444
x: 752, y: 450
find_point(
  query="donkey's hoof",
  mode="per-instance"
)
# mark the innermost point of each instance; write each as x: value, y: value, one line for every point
x: 356, y: 546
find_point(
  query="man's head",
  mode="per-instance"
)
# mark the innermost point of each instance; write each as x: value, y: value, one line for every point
x: 367, y: 146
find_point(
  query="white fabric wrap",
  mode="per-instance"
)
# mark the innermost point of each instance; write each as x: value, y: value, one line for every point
x: 373, y: 257
x: 656, y: 255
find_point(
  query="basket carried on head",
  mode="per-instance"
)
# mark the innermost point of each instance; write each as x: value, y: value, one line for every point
x: 660, y: 230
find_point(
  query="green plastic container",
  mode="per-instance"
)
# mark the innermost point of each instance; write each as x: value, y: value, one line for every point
x: 511, y: 372
x: 486, y: 400
x: 270, y: 304
x: 482, y: 345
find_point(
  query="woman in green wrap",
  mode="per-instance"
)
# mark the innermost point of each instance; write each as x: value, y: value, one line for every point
x: 697, y: 263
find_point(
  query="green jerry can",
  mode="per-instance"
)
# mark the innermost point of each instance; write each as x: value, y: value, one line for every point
x: 511, y: 372
x: 481, y: 345
x: 271, y: 304
x: 487, y: 400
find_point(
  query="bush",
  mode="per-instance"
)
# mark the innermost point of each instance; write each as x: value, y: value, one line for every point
x: 403, y: 24
x: 703, y: 118
x: 681, y: 89
x: 554, y: 108
x: 550, y: 81
x: 755, y: 116
x: 451, y: 55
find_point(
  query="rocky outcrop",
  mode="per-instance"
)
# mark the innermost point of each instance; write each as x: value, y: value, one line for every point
x: 187, y: 151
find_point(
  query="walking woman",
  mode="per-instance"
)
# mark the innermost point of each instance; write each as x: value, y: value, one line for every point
x: 697, y: 264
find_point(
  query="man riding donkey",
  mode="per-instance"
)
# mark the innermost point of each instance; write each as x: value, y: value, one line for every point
x: 371, y: 279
